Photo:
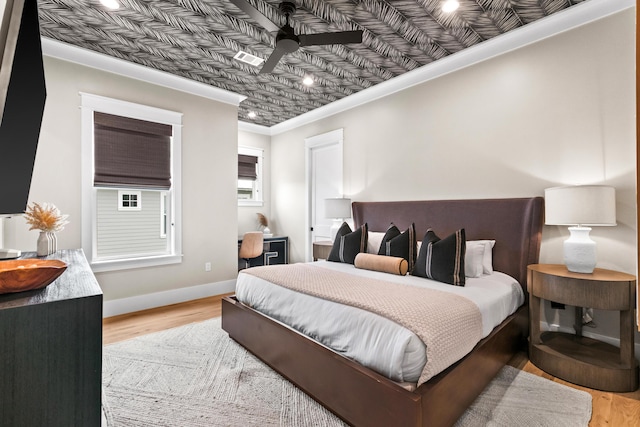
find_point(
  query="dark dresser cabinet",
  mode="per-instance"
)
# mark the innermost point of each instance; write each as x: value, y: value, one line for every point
x: 51, y: 350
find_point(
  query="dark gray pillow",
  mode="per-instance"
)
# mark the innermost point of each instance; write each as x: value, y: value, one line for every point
x: 348, y: 244
x: 395, y: 243
x: 442, y: 259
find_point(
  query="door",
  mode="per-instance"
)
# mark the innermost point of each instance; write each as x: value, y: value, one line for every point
x: 324, y: 180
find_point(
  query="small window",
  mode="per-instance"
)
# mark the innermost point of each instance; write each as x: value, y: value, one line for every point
x: 250, y: 176
x: 129, y: 201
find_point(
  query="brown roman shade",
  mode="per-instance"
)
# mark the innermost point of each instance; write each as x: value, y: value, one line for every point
x: 247, y: 167
x: 131, y: 153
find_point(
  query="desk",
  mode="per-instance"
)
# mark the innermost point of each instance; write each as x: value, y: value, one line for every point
x: 276, y: 251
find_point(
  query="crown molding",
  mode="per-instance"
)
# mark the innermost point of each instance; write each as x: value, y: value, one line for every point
x: 254, y: 128
x: 89, y: 58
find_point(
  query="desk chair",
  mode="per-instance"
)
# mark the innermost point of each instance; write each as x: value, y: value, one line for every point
x: 251, y: 247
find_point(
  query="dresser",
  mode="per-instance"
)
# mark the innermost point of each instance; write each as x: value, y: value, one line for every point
x: 51, y: 350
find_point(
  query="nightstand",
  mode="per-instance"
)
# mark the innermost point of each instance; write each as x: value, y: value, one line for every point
x: 322, y: 249
x: 575, y: 358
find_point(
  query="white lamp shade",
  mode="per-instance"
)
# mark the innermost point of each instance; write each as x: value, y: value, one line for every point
x: 338, y: 208
x: 580, y: 205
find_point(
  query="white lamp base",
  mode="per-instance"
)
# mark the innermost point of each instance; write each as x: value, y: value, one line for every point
x: 580, y: 251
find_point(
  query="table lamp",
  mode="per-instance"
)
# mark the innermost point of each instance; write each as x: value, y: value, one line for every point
x: 579, y: 207
x: 337, y: 209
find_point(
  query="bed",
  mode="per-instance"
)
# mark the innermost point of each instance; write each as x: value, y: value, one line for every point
x: 363, y: 397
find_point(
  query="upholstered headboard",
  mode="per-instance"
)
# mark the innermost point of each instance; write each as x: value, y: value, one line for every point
x: 515, y: 225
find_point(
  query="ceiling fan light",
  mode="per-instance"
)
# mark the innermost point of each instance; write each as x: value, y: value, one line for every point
x: 111, y: 4
x: 450, y: 6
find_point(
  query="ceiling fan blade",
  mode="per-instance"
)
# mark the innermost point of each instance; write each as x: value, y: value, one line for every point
x: 341, y: 37
x: 273, y: 60
x: 256, y: 15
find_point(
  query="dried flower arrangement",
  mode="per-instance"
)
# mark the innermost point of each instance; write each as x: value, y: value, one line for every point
x: 262, y: 220
x: 45, y: 217
x: 264, y: 224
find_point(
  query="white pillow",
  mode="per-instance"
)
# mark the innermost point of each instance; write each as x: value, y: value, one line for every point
x: 473, y: 258
x: 374, y: 240
x: 487, y: 261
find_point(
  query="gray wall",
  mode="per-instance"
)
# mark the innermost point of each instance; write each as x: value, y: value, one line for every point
x: 561, y: 111
x: 557, y: 112
x: 209, y: 172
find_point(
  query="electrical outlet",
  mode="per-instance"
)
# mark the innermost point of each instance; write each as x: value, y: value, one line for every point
x: 207, y: 266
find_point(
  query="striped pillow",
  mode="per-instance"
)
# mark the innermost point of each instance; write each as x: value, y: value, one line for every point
x: 398, y: 244
x: 348, y: 244
x: 442, y: 259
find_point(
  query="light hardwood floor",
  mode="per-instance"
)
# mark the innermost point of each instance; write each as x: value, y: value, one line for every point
x: 609, y: 409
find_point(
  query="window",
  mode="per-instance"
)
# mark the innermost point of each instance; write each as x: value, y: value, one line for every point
x: 129, y: 200
x: 250, y: 176
x: 131, y: 184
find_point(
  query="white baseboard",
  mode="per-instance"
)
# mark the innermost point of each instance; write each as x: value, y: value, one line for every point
x: 544, y: 326
x: 159, y: 299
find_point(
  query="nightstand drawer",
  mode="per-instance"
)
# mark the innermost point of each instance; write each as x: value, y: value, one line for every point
x: 582, y: 292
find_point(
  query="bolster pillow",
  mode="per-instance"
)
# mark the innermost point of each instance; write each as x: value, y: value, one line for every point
x: 386, y: 264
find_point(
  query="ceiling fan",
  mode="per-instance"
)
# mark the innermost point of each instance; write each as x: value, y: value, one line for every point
x: 286, y: 40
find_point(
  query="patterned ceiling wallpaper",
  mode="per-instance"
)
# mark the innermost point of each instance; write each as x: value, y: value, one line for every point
x: 197, y: 39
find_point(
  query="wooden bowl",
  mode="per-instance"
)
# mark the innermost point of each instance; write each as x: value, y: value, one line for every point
x: 28, y: 274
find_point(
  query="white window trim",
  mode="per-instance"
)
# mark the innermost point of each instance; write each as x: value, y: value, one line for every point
x: 90, y: 103
x: 163, y: 200
x: 259, y: 153
x: 137, y: 207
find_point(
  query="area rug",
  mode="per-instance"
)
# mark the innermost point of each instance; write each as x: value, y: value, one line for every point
x: 196, y: 376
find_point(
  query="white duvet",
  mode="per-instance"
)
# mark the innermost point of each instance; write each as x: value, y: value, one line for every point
x: 369, y: 339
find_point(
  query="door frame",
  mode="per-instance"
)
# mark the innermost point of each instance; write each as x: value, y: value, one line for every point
x: 334, y: 137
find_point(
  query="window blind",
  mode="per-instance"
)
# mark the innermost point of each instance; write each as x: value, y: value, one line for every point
x: 131, y: 153
x: 247, y: 167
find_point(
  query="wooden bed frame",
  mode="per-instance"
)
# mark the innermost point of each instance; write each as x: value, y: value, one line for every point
x: 362, y: 397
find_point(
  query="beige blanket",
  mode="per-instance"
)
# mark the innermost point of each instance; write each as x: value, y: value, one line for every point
x: 449, y: 325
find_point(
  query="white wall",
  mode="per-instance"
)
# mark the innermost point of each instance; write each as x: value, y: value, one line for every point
x: 560, y: 111
x: 209, y: 173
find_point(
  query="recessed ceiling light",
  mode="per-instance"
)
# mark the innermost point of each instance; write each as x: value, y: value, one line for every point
x: 450, y: 5
x: 111, y: 4
x: 308, y: 80
x: 252, y: 114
